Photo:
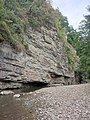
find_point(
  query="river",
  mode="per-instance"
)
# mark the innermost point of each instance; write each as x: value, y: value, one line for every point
x: 14, y: 108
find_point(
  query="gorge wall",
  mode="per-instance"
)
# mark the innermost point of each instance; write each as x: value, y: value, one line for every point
x: 33, y: 45
x: 45, y: 61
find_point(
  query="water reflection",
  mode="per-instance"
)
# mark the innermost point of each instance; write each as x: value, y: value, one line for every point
x: 14, y: 108
x: 11, y: 108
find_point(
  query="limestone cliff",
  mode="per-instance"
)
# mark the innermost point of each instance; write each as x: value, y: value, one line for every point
x: 43, y: 61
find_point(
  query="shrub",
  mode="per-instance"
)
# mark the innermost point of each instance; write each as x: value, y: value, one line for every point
x: 72, y: 58
x: 26, y: 46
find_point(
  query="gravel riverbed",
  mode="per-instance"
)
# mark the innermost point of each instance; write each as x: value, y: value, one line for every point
x: 53, y: 103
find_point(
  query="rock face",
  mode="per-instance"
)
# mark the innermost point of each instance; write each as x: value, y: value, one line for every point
x: 45, y: 61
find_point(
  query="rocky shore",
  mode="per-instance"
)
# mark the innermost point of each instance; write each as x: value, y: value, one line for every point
x: 53, y: 103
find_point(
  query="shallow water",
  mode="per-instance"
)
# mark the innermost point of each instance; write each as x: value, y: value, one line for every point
x: 14, y: 108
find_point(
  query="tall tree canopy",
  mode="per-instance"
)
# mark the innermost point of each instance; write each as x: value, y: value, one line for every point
x: 84, y: 45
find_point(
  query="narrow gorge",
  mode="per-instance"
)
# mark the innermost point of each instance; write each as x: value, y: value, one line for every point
x: 43, y: 63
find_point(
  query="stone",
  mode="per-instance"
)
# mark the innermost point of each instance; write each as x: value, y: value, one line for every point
x: 16, y: 95
x: 30, y: 92
x: 6, y: 92
x: 10, y: 85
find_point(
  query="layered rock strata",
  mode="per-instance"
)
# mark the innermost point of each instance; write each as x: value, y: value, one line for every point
x: 44, y: 62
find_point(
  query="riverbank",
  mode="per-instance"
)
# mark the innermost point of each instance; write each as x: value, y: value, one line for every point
x: 53, y: 103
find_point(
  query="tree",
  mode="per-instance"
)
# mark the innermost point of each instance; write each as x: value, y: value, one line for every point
x: 2, y: 10
x: 84, y: 45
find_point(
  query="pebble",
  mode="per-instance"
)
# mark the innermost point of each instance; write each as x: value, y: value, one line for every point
x: 16, y: 95
x: 63, y: 103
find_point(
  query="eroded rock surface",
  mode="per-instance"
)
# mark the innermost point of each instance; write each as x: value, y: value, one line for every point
x: 45, y: 61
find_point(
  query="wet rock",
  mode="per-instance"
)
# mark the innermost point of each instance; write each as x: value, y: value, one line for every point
x: 6, y: 92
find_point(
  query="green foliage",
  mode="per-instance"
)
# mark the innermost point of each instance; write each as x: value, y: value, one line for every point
x: 11, y: 5
x: 2, y: 10
x: 61, y: 30
x: 11, y: 25
x: 15, y: 23
x: 26, y: 46
x: 4, y: 30
x: 38, y: 13
x: 84, y: 46
x: 72, y: 57
x: 34, y: 23
x: 41, y: 14
x: 81, y: 41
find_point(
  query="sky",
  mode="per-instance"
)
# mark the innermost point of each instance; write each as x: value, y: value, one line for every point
x: 73, y: 9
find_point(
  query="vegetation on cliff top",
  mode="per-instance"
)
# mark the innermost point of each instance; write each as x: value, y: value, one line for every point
x: 11, y: 24
x: 81, y: 41
x: 83, y: 45
x: 15, y: 15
